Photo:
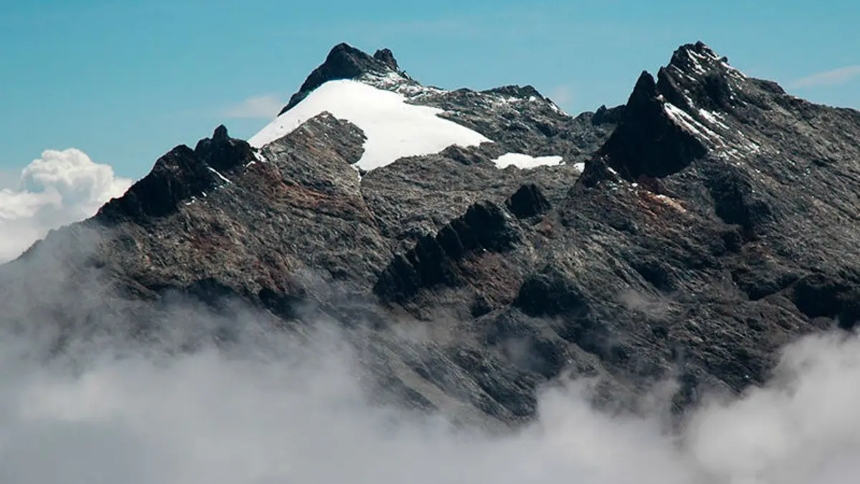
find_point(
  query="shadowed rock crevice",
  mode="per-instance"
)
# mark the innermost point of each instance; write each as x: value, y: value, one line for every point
x: 819, y: 295
x: 736, y: 203
x: 550, y: 293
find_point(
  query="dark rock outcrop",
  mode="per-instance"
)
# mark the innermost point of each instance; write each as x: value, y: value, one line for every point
x: 549, y: 293
x: 223, y: 153
x: 434, y: 260
x: 647, y: 142
x: 344, y: 62
x: 386, y: 57
x: 528, y: 201
x: 178, y: 177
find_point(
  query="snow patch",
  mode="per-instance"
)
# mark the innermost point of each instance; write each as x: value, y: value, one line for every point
x: 222, y: 177
x: 400, y: 84
x: 712, y: 118
x: 394, y: 128
x: 688, y: 123
x: 696, y: 65
x: 733, y: 71
x: 501, y: 100
x: 258, y: 157
x: 526, y: 162
x: 742, y: 151
x: 708, y: 59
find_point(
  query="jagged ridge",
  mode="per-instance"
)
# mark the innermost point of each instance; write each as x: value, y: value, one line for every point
x: 179, y: 176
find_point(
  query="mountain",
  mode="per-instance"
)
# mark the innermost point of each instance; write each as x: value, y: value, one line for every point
x: 687, y: 234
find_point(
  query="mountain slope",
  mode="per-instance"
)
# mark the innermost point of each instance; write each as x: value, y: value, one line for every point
x: 689, y: 233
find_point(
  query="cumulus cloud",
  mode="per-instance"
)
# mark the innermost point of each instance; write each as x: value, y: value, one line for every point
x: 835, y: 77
x: 256, y: 107
x: 59, y: 188
x: 274, y: 409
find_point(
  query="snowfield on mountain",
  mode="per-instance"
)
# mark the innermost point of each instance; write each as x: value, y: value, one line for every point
x: 525, y: 162
x: 394, y: 129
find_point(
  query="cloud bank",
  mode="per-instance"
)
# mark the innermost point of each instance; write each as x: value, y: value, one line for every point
x: 274, y: 408
x: 59, y: 188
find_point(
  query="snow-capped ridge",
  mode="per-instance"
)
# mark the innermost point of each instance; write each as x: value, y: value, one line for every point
x: 512, y: 94
x: 698, y: 59
x: 400, y: 83
x: 400, y: 116
x: 394, y: 128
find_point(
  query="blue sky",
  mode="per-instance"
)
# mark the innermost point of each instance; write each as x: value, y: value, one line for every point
x: 126, y: 80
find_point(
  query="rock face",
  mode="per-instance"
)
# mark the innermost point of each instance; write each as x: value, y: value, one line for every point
x: 716, y: 219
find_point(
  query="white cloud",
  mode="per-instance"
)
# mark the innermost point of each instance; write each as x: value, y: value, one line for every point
x: 257, y: 107
x: 835, y: 77
x: 59, y: 188
x: 802, y: 429
x: 290, y: 411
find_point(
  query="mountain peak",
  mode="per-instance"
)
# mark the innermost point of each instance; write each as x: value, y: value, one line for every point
x: 387, y: 57
x: 223, y: 153
x: 663, y: 127
x: 645, y: 89
x: 220, y: 133
x: 697, y: 59
x: 344, y: 62
x: 647, y: 141
x: 697, y: 77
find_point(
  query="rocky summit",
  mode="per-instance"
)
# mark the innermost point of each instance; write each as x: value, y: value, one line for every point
x: 685, y: 235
